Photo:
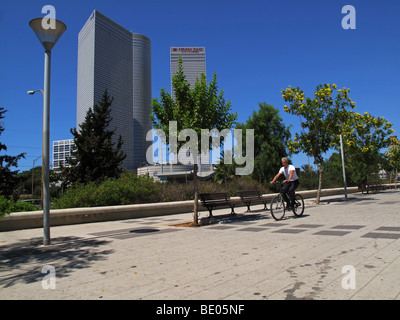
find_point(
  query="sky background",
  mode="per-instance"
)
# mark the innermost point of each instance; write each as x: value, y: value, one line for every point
x: 256, y: 47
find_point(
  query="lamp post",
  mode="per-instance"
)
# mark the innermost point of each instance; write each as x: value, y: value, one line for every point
x: 48, y: 36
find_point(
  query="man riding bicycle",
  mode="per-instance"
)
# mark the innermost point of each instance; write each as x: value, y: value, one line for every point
x: 290, y: 184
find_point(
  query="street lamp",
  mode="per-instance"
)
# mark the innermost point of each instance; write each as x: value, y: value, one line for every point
x: 48, y: 34
x: 34, y: 91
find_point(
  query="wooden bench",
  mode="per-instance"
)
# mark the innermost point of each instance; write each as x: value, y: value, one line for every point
x: 250, y: 197
x: 368, y: 186
x: 374, y: 186
x: 213, y: 200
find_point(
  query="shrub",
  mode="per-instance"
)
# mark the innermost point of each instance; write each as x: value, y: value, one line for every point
x: 173, y: 191
x: 9, y: 205
x: 128, y: 189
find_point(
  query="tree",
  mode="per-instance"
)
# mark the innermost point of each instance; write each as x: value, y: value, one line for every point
x: 8, y: 177
x: 270, y: 139
x: 333, y: 171
x: 364, y: 136
x: 393, y: 154
x: 308, y: 177
x: 197, y: 108
x: 321, y: 118
x: 223, y: 172
x: 96, y: 156
x: 30, y: 181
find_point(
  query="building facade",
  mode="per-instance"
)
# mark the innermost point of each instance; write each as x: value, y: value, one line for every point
x: 113, y: 58
x: 175, y: 172
x: 193, y: 63
x: 61, y: 152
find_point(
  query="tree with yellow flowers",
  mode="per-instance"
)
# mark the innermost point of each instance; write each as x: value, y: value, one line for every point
x: 321, y: 119
x: 393, y: 154
x: 364, y: 136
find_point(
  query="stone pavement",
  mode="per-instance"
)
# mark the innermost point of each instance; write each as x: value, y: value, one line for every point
x: 337, y: 250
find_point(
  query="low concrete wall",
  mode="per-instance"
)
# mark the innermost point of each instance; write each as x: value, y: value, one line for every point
x: 34, y: 219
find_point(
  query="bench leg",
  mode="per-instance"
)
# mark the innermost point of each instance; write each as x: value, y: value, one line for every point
x: 248, y: 207
x: 210, y: 213
x: 233, y: 211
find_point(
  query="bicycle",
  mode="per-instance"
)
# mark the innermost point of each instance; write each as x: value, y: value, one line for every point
x: 278, y: 207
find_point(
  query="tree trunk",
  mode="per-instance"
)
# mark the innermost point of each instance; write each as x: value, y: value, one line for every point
x: 319, y: 184
x: 196, y: 197
x: 395, y: 180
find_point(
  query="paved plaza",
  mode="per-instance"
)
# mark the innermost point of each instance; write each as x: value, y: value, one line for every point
x: 337, y: 250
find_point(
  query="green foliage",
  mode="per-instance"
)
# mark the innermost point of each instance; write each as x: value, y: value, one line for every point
x: 9, y: 206
x: 201, y: 107
x: 133, y: 189
x: 308, y: 178
x: 96, y: 156
x: 364, y: 136
x: 321, y: 118
x: 128, y: 189
x: 333, y: 172
x: 393, y: 154
x: 240, y: 183
x: 25, y: 181
x: 270, y: 139
x: 223, y: 172
x: 8, y: 177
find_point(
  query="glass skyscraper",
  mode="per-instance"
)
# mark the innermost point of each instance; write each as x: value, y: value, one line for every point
x: 113, y: 58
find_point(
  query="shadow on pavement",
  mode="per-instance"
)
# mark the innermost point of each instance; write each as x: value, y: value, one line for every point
x: 23, y: 261
x: 350, y: 199
x: 239, y: 217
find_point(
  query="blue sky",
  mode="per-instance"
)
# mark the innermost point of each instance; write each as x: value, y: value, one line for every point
x: 256, y: 47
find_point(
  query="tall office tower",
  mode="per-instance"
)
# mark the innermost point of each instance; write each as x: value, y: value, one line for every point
x: 193, y: 63
x: 113, y: 58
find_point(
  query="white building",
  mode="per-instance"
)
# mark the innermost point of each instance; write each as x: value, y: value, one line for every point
x: 168, y: 172
x: 61, y: 152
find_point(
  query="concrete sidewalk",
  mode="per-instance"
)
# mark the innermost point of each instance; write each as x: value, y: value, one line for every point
x: 337, y: 250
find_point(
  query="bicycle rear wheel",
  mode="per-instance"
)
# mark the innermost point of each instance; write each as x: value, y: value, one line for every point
x: 298, y: 207
x: 277, y: 208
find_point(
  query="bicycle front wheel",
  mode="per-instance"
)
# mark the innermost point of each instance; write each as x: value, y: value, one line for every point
x: 298, y: 208
x: 277, y: 208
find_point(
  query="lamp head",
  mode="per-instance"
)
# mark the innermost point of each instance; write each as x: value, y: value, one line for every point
x: 47, y: 33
